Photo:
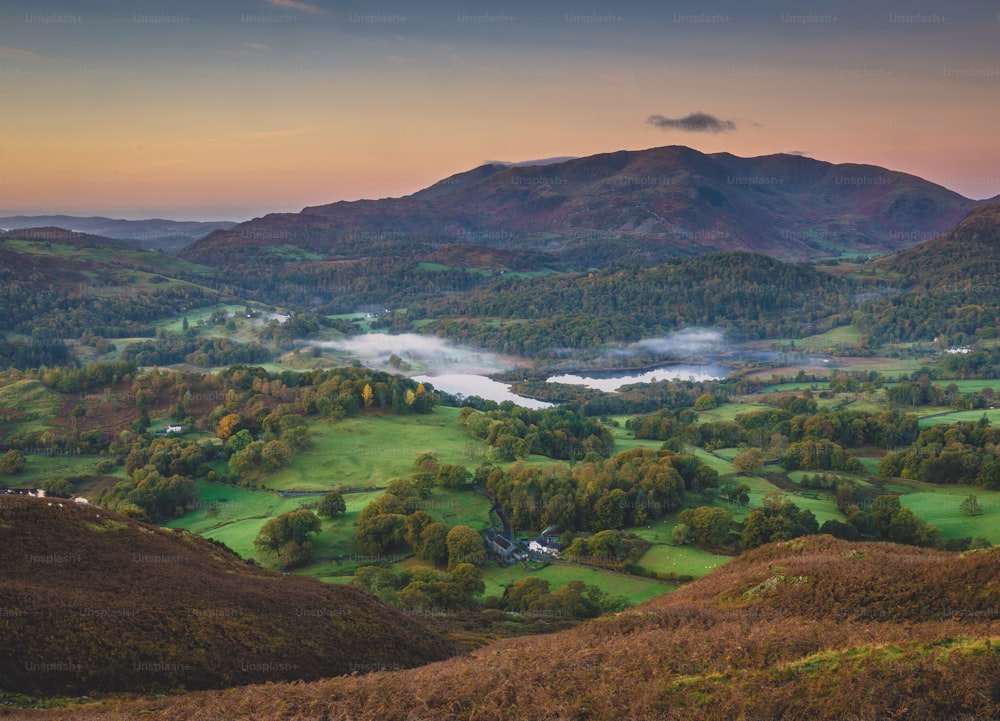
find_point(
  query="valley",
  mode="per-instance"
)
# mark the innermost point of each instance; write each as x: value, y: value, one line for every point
x: 358, y: 417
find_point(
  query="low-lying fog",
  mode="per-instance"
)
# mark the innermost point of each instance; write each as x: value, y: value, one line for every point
x: 419, y: 353
x: 461, y: 370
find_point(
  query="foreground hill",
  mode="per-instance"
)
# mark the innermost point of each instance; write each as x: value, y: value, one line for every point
x: 808, y: 629
x: 952, y: 292
x: 91, y: 601
x: 152, y: 234
x: 592, y: 210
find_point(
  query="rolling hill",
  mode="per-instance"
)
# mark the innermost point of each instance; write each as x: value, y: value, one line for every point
x: 93, y: 602
x: 152, y: 234
x: 950, y: 283
x: 628, y: 205
x: 813, y: 628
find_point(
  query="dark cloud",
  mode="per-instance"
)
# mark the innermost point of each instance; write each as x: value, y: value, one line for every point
x: 694, y: 123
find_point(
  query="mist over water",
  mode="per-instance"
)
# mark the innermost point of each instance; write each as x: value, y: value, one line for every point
x: 461, y: 370
x: 424, y: 354
x: 611, y: 382
x: 684, y: 343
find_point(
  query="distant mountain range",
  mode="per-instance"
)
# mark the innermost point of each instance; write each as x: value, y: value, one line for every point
x: 640, y: 206
x: 153, y: 234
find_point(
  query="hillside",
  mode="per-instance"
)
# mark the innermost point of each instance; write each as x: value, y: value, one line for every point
x: 965, y: 255
x: 592, y: 210
x: 92, y: 601
x: 751, y: 295
x: 152, y: 234
x: 813, y: 628
x: 951, y: 286
x: 57, y: 285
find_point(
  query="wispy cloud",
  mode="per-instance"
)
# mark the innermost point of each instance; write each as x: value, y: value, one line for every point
x: 300, y: 6
x: 9, y: 53
x: 698, y: 122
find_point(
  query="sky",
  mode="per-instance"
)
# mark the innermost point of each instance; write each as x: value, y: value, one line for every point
x: 232, y: 109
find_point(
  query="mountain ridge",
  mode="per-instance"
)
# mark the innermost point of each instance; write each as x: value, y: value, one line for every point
x: 672, y: 200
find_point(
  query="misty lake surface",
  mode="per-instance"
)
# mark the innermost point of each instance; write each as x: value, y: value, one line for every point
x: 469, y: 384
x: 611, y: 381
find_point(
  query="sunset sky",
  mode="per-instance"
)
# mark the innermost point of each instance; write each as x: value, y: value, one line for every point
x: 227, y: 110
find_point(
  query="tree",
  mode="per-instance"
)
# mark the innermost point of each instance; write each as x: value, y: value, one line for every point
x: 78, y: 413
x: 465, y: 545
x: 227, y: 425
x: 707, y: 525
x: 434, y: 544
x: 13, y: 461
x: 705, y: 402
x: 284, y: 540
x: 453, y: 476
x: 749, y: 462
x: 368, y: 396
x: 970, y: 506
x: 240, y: 440
x: 519, y: 596
x: 680, y: 535
x: 380, y: 533
x: 294, y: 526
x: 469, y: 578
x: 332, y: 505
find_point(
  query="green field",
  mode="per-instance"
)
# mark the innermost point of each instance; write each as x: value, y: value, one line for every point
x: 28, y: 405
x: 962, y: 417
x: 634, y: 588
x: 797, y: 386
x: 729, y: 411
x: 371, y: 450
x: 939, y: 505
x: 42, y: 468
x: 682, y: 560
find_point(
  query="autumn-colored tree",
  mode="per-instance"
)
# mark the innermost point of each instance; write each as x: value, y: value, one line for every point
x: 228, y: 425
x: 368, y: 396
x: 749, y: 462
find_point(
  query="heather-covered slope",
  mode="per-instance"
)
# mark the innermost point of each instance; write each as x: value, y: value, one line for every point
x: 814, y: 628
x: 91, y: 601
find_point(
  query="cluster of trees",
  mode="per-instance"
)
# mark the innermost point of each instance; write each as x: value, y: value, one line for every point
x: 284, y: 541
x: 433, y: 590
x: 777, y: 519
x: 348, y: 391
x: 533, y: 596
x: 957, y: 315
x: 24, y: 354
x: 967, y: 453
x: 201, y: 352
x: 923, y: 393
x: 160, y: 480
x: 397, y: 518
x: 799, y: 435
x: 630, y: 488
x: 514, y: 432
x: 424, y: 589
x: 707, y: 526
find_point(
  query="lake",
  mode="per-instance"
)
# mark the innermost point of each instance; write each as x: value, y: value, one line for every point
x: 469, y: 384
